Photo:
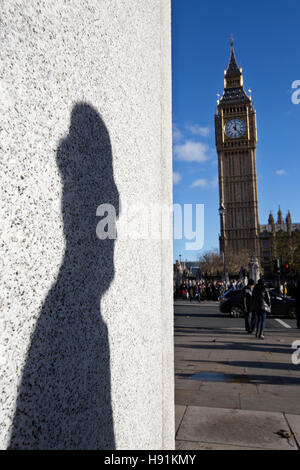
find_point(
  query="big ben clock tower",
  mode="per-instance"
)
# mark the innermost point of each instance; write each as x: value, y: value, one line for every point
x: 236, y: 137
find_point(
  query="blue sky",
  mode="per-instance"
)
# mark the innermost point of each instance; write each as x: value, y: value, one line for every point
x: 267, y: 47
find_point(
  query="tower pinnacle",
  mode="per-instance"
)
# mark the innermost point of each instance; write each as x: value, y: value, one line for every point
x: 233, y: 69
x: 279, y: 217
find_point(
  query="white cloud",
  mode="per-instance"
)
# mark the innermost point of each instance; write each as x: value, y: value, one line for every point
x: 198, y: 130
x: 177, y: 134
x: 204, y: 183
x: 200, y: 183
x: 280, y: 172
x: 176, y: 177
x: 191, y: 152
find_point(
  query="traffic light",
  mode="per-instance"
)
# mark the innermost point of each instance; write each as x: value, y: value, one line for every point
x: 287, y: 268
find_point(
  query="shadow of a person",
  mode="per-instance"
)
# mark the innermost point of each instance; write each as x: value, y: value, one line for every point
x: 64, y: 399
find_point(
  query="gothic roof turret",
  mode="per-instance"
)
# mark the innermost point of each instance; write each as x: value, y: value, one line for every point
x: 288, y: 219
x: 279, y: 217
x: 271, y: 219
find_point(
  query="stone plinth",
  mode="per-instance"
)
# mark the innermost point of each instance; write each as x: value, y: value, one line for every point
x: 87, y: 324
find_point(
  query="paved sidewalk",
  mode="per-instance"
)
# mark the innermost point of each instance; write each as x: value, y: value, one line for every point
x: 220, y: 428
x: 233, y: 391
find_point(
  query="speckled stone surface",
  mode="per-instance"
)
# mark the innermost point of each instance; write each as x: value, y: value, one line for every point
x: 86, y: 324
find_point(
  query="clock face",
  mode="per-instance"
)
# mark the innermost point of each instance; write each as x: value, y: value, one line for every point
x: 235, y: 128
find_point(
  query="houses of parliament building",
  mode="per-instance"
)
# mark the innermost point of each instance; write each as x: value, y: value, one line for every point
x: 236, y: 139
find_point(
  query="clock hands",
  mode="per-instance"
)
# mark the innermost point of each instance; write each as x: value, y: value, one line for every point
x: 235, y: 128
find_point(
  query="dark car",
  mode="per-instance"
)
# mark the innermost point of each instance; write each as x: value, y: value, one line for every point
x: 232, y: 302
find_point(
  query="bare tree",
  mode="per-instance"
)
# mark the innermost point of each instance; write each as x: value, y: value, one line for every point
x: 236, y: 260
x: 211, y: 262
x: 287, y: 248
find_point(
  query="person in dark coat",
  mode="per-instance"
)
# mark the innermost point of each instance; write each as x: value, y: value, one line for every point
x: 198, y: 292
x: 221, y: 289
x: 248, y: 306
x: 191, y: 291
x: 262, y: 306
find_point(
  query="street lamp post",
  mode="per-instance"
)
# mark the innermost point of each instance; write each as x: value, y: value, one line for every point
x: 222, y: 211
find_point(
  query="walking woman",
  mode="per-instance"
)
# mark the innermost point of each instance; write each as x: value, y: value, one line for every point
x: 262, y: 306
x: 248, y: 306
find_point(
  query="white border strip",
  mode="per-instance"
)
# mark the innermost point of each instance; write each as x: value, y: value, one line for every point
x: 283, y: 323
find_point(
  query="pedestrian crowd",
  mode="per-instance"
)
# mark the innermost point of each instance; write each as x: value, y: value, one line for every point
x: 204, y: 290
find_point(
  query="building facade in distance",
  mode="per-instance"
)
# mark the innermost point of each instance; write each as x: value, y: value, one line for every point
x: 280, y: 240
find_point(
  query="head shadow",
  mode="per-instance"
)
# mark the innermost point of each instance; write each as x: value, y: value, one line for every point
x: 64, y: 399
